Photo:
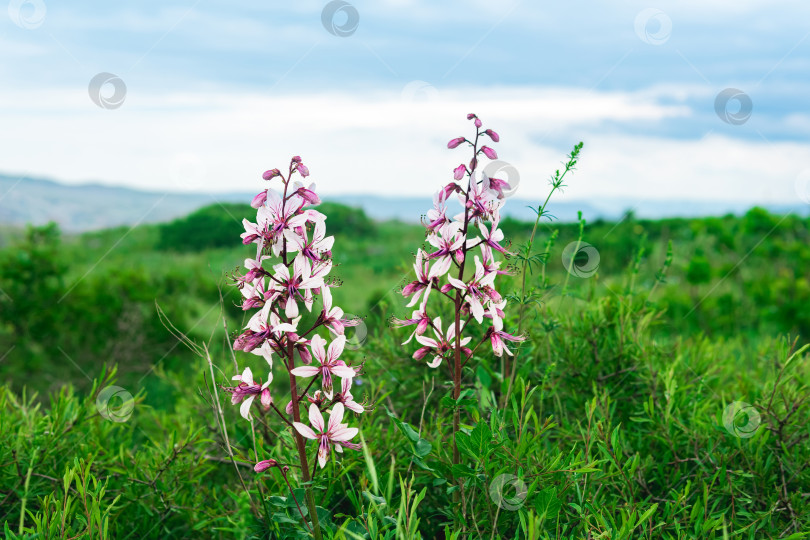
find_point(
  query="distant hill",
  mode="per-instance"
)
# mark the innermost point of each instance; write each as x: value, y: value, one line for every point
x: 94, y: 206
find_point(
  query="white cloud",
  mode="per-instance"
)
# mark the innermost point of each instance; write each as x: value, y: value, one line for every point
x: 379, y: 143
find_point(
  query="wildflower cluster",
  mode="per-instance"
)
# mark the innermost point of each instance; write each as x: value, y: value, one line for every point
x: 290, y: 269
x: 444, y: 269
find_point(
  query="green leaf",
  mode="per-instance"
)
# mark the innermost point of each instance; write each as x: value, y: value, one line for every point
x: 464, y: 445
x: 479, y: 439
x: 379, y: 501
x: 547, y: 504
x: 460, y: 470
x: 422, y: 448
x: 483, y: 376
x: 405, y: 428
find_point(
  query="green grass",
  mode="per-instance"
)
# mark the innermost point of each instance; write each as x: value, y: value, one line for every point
x: 616, y: 428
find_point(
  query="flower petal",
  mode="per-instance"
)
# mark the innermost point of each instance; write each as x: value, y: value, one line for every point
x: 244, y: 410
x: 315, y: 417
x: 304, y: 430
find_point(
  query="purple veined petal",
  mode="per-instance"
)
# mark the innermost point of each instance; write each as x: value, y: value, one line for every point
x: 436, y: 362
x: 345, y: 434
x: 244, y: 409
x: 476, y: 309
x: 338, y: 449
x: 322, y: 457
x: 273, y: 199
x: 326, y: 244
x: 284, y: 327
x: 282, y: 272
x: 497, y: 344
x: 291, y: 308
x: 301, y: 266
x: 421, y: 352
x: 305, y: 371
x: 415, y: 298
x: 326, y: 298
x: 267, y: 399
x: 440, y: 267
x: 336, y: 348
x: 318, y: 351
x: 346, y: 386
x: 315, y: 282
x: 294, y: 241
x: 269, y: 380
x: 304, y: 430
x: 426, y: 341
x: 316, y: 418
x: 314, y: 216
x: 297, y: 221
x: 343, y: 371
x: 247, y: 376
x: 354, y: 406
x: 335, y: 417
x: 456, y: 283
x: 488, y: 280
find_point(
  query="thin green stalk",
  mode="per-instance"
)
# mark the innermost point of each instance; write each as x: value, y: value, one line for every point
x: 25, y: 496
x: 556, y: 183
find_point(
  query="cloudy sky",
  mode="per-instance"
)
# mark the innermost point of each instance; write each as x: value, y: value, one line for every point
x: 678, y: 99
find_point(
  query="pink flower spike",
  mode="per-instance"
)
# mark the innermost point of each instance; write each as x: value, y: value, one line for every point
x: 489, y: 152
x: 455, y: 142
x: 493, y: 135
x: 259, y: 200
x: 458, y: 172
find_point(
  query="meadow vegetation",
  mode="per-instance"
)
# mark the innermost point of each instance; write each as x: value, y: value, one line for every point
x: 665, y: 395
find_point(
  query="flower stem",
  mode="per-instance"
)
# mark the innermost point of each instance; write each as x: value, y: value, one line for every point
x: 302, y: 450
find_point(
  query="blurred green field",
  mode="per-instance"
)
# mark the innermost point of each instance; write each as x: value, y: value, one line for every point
x: 631, y: 369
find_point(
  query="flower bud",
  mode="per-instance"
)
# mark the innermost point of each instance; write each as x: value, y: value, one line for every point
x: 493, y: 135
x: 264, y: 465
x: 455, y: 142
x: 477, y: 123
x: 272, y: 173
x: 448, y: 189
x: 296, y: 159
x: 458, y: 172
x: 259, y: 200
x: 308, y: 195
x: 302, y: 170
x: 489, y: 152
x: 471, y: 116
